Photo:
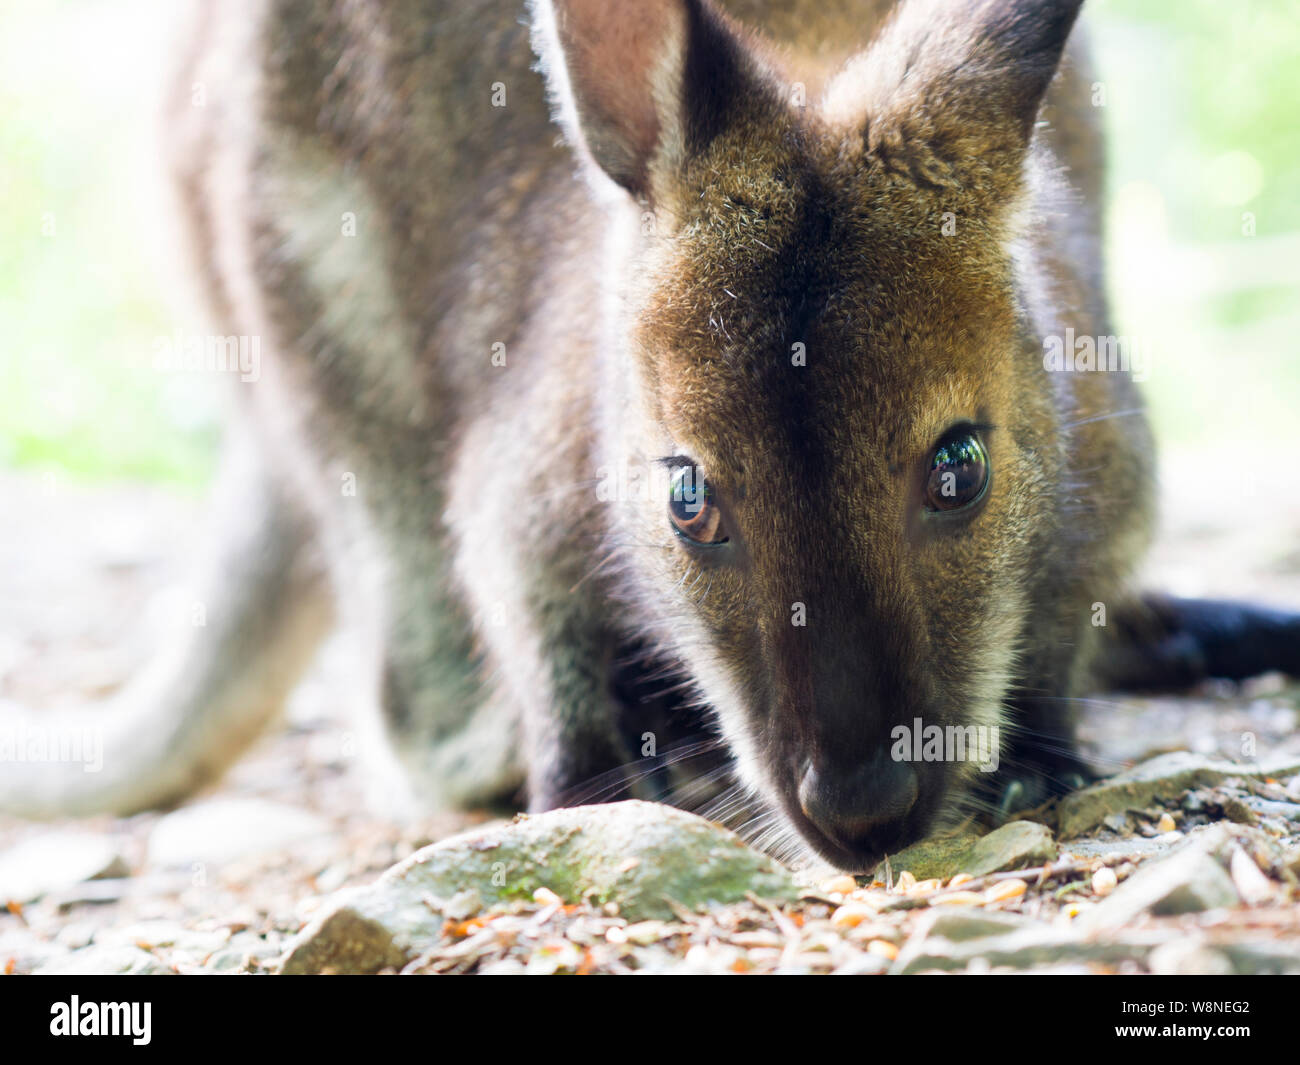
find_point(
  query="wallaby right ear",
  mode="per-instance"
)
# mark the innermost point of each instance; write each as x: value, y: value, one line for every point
x: 949, y: 92
x: 641, y: 85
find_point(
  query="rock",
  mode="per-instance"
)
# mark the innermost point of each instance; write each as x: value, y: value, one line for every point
x: 112, y: 961
x: 934, y: 857
x: 54, y: 861
x: 1188, y: 881
x: 1252, y: 885
x: 1018, y: 845
x: 1125, y: 847
x: 1159, y: 779
x: 1029, y: 947
x: 1263, y: 959
x: 1189, y: 957
x: 962, y: 925
x: 639, y: 855
x: 1222, y: 838
x: 221, y: 830
x: 143, y: 934
x: 243, y: 952
x: 863, y: 965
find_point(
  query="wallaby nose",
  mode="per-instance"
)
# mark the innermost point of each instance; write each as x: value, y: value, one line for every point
x: 860, y: 809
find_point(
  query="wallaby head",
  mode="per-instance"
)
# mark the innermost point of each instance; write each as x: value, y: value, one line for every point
x: 817, y: 337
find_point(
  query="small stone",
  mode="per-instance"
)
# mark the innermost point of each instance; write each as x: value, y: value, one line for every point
x: 960, y: 925
x: 864, y: 964
x: 643, y: 933
x: 143, y: 934
x: 1188, y: 957
x: 75, y: 935
x: 105, y: 961
x: 54, y: 861
x: 1116, y: 822
x: 465, y: 904
x: 1253, y: 886
x: 1018, y: 845
x: 222, y: 830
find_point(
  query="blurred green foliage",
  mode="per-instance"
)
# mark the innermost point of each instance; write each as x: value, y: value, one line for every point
x: 1201, y: 114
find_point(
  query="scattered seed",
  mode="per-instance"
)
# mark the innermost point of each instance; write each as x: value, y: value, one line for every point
x: 883, y: 948
x: 1166, y: 823
x: 959, y: 879
x: 1104, y: 881
x: 958, y: 898
x: 839, y: 885
x: 851, y: 914
x: 547, y: 897
x: 1007, y: 889
x: 905, y: 882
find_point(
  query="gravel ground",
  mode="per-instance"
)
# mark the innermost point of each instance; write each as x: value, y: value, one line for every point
x: 225, y: 883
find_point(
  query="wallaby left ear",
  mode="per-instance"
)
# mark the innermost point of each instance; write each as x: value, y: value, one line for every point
x: 643, y: 84
x: 949, y: 92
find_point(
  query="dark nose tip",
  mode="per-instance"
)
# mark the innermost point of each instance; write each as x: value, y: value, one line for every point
x: 860, y: 808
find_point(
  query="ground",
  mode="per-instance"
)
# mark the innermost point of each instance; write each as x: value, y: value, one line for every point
x: 228, y: 882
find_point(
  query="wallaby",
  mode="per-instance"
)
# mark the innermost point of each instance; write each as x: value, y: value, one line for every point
x: 711, y: 431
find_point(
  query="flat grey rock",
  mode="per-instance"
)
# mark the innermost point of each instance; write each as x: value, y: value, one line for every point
x: 962, y: 924
x: 1024, y: 949
x: 55, y: 861
x: 639, y: 855
x: 1162, y: 778
x: 1018, y: 845
x: 112, y: 961
x: 1190, y: 880
x: 222, y: 830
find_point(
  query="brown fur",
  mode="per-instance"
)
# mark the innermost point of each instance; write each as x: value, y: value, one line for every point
x: 648, y: 300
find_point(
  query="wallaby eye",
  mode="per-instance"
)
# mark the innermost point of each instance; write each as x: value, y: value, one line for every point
x: 959, y: 472
x: 694, y: 514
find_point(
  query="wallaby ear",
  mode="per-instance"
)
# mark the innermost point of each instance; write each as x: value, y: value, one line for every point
x: 639, y: 85
x: 949, y: 92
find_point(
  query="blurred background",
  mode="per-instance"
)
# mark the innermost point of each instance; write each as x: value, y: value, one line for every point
x: 104, y: 459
